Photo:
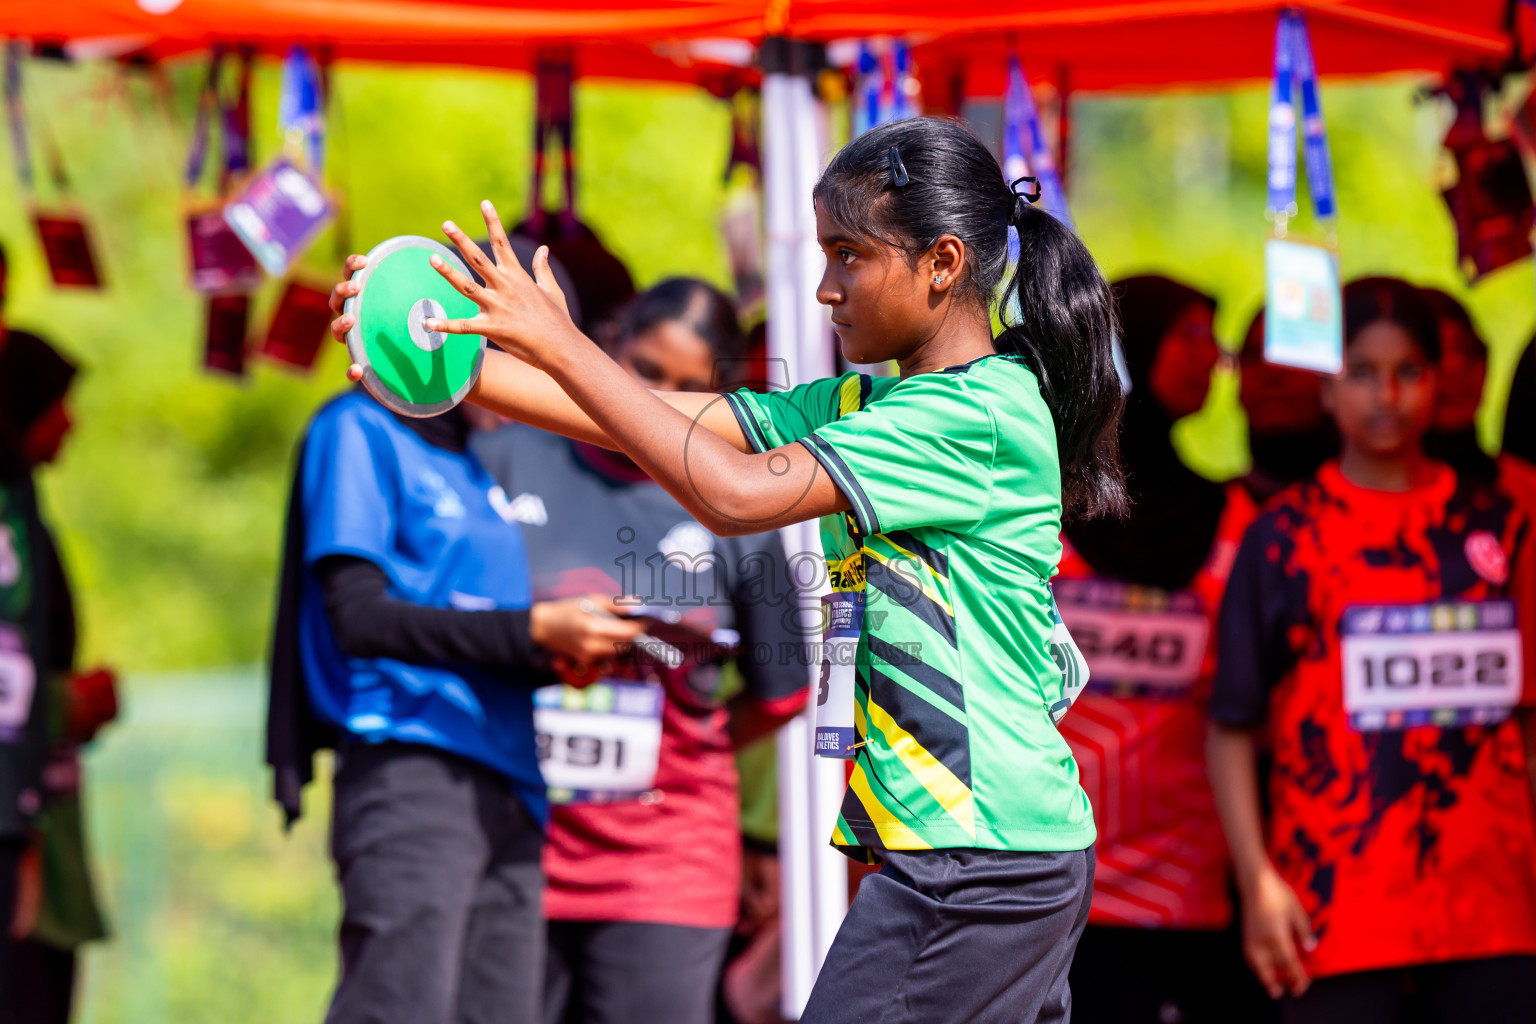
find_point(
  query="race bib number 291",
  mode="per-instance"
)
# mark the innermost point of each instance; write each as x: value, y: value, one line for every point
x: 599, y: 744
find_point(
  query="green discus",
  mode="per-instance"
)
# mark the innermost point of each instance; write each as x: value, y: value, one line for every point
x: 414, y: 371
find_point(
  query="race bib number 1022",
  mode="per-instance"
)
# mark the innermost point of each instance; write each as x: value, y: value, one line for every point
x: 1450, y: 664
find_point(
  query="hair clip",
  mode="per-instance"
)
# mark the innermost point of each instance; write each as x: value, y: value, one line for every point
x: 899, y: 175
x: 1029, y: 197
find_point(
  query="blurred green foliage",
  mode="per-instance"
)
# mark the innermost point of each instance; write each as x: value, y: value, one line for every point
x: 170, y: 498
x: 216, y: 914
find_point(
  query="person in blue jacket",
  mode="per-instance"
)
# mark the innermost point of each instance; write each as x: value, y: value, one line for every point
x: 407, y: 618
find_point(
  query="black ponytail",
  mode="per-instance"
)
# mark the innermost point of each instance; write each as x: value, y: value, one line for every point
x: 1057, y: 311
x: 1065, y: 330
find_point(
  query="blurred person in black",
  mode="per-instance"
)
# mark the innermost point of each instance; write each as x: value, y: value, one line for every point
x: 1520, y: 417
x: 23, y: 640
x: 56, y: 911
x: 1289, y: 434
x: 1463, y: 374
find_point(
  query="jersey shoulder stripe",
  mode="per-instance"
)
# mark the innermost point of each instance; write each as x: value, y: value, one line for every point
x: 752, y: 430
x: 837, y: 469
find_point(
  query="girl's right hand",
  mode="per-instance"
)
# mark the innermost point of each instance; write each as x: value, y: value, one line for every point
x: 1275, y: 927
x: 343, y: 291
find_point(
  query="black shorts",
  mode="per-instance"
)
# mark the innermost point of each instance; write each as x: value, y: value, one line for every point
x: 958, y: 937
x: 1158, y: 975
x: 1487, y: 991
x: 632, y: 972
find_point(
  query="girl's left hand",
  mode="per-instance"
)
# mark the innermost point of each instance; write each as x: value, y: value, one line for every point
x: 525, y: 315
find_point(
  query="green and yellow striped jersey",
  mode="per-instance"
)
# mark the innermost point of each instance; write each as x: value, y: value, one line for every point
x: 953, y: 535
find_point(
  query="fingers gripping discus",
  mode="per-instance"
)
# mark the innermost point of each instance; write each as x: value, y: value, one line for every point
x: 414, y: 371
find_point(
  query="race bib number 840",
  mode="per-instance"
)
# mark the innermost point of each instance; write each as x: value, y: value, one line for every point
x: 1138, y: 641
x: 1448, y: 664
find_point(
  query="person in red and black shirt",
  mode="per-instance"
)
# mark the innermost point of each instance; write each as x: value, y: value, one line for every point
x: 1376, y: 632
x: 1140, y: 597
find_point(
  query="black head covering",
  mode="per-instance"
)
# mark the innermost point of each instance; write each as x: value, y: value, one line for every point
x: 1459, y: 448
x: 1175, y: 511
x: 1520, y: 420
x: 33, y: 376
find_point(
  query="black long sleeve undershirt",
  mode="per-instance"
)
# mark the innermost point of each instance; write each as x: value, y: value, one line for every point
x: 368, y: 623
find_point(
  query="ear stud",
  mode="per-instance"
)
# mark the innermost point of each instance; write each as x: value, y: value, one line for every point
x: 938, y: 278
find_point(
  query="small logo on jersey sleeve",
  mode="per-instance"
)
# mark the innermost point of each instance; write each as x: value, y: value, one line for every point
x: 1487, y: 557
x: 525, y: 508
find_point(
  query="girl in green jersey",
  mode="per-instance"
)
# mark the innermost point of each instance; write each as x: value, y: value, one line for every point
x: 940, y: 494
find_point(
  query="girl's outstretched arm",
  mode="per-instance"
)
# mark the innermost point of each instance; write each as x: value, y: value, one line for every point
x: 558, y: 379
x: 514, y: 389
x: 729, y: 489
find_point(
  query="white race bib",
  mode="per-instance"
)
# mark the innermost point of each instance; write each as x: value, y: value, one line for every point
x: 599, y: 744
x: 843, y: 616
x: 1138, y: 641
x: 1069, y: 658
x: 1451, y: 664
x: 18, y: 679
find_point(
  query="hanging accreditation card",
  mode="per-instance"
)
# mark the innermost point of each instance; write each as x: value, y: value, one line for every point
x: 843, y: 613
x: 278, y: 214
x: 1068, y: 658
x: 1303, y: 307
x: 1449, y: 665
x: 18, y: 679
x: 600, y: 744
x: 1137, y: 641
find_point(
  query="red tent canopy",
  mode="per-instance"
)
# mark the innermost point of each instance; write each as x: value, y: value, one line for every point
x: 1097, y: 44
x: 1119, y: 45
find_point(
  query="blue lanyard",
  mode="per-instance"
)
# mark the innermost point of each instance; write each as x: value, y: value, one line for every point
x: 882, y: 97
x: 866, y: 113
x: 299, y: 106
x: 902, y: 106
x: 1294, y: 66
x: 1024, y: 145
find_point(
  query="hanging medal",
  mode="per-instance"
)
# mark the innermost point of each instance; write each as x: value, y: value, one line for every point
x: 1303, y: 297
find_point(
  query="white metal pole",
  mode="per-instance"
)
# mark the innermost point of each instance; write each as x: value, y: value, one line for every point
x: 813, y: 889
